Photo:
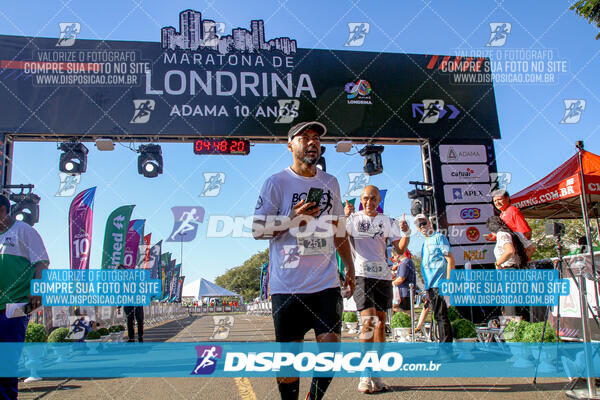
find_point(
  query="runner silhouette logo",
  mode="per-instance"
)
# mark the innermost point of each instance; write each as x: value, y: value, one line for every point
x: 499, y: 33
x: 212, y: 183
x: 357, y: 33
x: 68, y: 33
x: 573, y: 111
x: 142, y: 110
x: 207, y: 359
x: 186, y: 220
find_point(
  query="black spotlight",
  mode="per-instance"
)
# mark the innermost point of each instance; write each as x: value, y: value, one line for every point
x: 73, y: 160
x: 150, y: 161
x: 321, y: 162
x: 372, y: 155
x: 26, y: 207
x: 422, y: 198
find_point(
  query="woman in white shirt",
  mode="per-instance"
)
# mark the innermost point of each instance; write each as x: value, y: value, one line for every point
x: 512, y: 248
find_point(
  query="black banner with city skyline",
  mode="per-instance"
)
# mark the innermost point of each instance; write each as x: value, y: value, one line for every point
x: 199, y: 81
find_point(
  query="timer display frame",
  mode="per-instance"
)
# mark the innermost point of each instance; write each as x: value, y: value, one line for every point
x: 224, y: 146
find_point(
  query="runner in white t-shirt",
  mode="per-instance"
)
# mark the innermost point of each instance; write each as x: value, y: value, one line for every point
x: 369, y: 233
x: 303, y: 237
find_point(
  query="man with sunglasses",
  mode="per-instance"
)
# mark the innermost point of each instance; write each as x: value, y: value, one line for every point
x: 303, y: 237
x: 437, y: 261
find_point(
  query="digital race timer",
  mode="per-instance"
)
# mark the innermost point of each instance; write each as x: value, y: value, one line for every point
x: 222, y: 146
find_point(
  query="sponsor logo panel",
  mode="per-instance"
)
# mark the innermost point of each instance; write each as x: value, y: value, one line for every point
x: 467, y: 193
x: 465, y: 173
x: 469, y: 213
x: 467, y: 234
x: 474, y: 254
x: 451, y: 153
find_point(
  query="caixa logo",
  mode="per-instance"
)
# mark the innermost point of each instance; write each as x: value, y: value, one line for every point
x: 470, y: 213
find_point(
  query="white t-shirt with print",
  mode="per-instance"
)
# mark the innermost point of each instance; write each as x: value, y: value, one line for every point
x: 368, y: 237
x: 21, y: 247
x: 503, y: 238
x: 306, y: 264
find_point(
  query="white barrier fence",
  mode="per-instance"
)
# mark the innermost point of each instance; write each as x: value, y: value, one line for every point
x: 262, y: 307
x: 105, y: 316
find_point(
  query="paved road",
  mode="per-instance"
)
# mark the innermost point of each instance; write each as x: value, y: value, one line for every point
x: 256, y: 328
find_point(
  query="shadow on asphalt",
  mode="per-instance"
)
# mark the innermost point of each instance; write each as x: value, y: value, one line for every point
x: 498, y: 388
x: 166, y: 331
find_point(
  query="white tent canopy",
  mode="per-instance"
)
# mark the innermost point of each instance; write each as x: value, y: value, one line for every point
x: 201, y: 288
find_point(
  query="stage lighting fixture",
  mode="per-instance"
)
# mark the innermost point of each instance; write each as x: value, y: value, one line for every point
x: 422, y: 198
x: 321, y: 162
x: 105, y: 144
x: 73, y: 160
x: 25, y: 207
x: 343, y: 146
x: 150, y: 161
x: 372, y: 155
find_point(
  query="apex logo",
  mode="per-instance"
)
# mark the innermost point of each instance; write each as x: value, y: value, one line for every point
x: 457, y: 194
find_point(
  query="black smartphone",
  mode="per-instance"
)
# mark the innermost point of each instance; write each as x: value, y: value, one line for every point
x: 314, y: 196
x: 28, y: 308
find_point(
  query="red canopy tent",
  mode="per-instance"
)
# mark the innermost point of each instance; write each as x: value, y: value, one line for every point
x: 570, y: 191
x: 557, y: 195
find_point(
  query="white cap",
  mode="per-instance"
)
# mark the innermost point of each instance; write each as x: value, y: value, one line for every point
x: 419, y: 217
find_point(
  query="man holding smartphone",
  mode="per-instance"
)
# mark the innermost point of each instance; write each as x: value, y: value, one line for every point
x: 23, y: 257
x: 303, y: 236
x: 369, y: 231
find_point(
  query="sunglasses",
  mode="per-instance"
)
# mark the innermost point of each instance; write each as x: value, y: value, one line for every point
x: 422, y: 224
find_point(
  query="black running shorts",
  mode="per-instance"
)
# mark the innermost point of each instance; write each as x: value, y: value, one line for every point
x: 295, y: 314
x: 373, y: 293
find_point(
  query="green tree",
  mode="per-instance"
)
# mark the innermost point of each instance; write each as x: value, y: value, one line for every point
x: 245, y: 279
x: 546, y: 246
x: 590, y: 10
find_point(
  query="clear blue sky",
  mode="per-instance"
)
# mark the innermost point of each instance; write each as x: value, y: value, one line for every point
x: 533, y: 142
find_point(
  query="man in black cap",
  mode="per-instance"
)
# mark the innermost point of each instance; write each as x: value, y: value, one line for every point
x: 303, y: 236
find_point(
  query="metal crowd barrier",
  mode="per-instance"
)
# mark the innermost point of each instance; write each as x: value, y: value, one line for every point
x: 106, y: 316
x: 262, y: 307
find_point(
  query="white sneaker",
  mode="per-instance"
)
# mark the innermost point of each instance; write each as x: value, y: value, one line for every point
x: 378, y: 385
x: 364, y: 384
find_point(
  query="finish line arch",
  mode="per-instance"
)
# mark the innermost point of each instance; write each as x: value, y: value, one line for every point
x: 169, y: 91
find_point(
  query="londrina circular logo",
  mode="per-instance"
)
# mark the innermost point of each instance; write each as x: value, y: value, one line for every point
x: 361, y: 87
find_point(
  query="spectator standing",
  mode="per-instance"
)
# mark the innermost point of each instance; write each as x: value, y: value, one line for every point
x: 23, y: 257
x: 437, y: 261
